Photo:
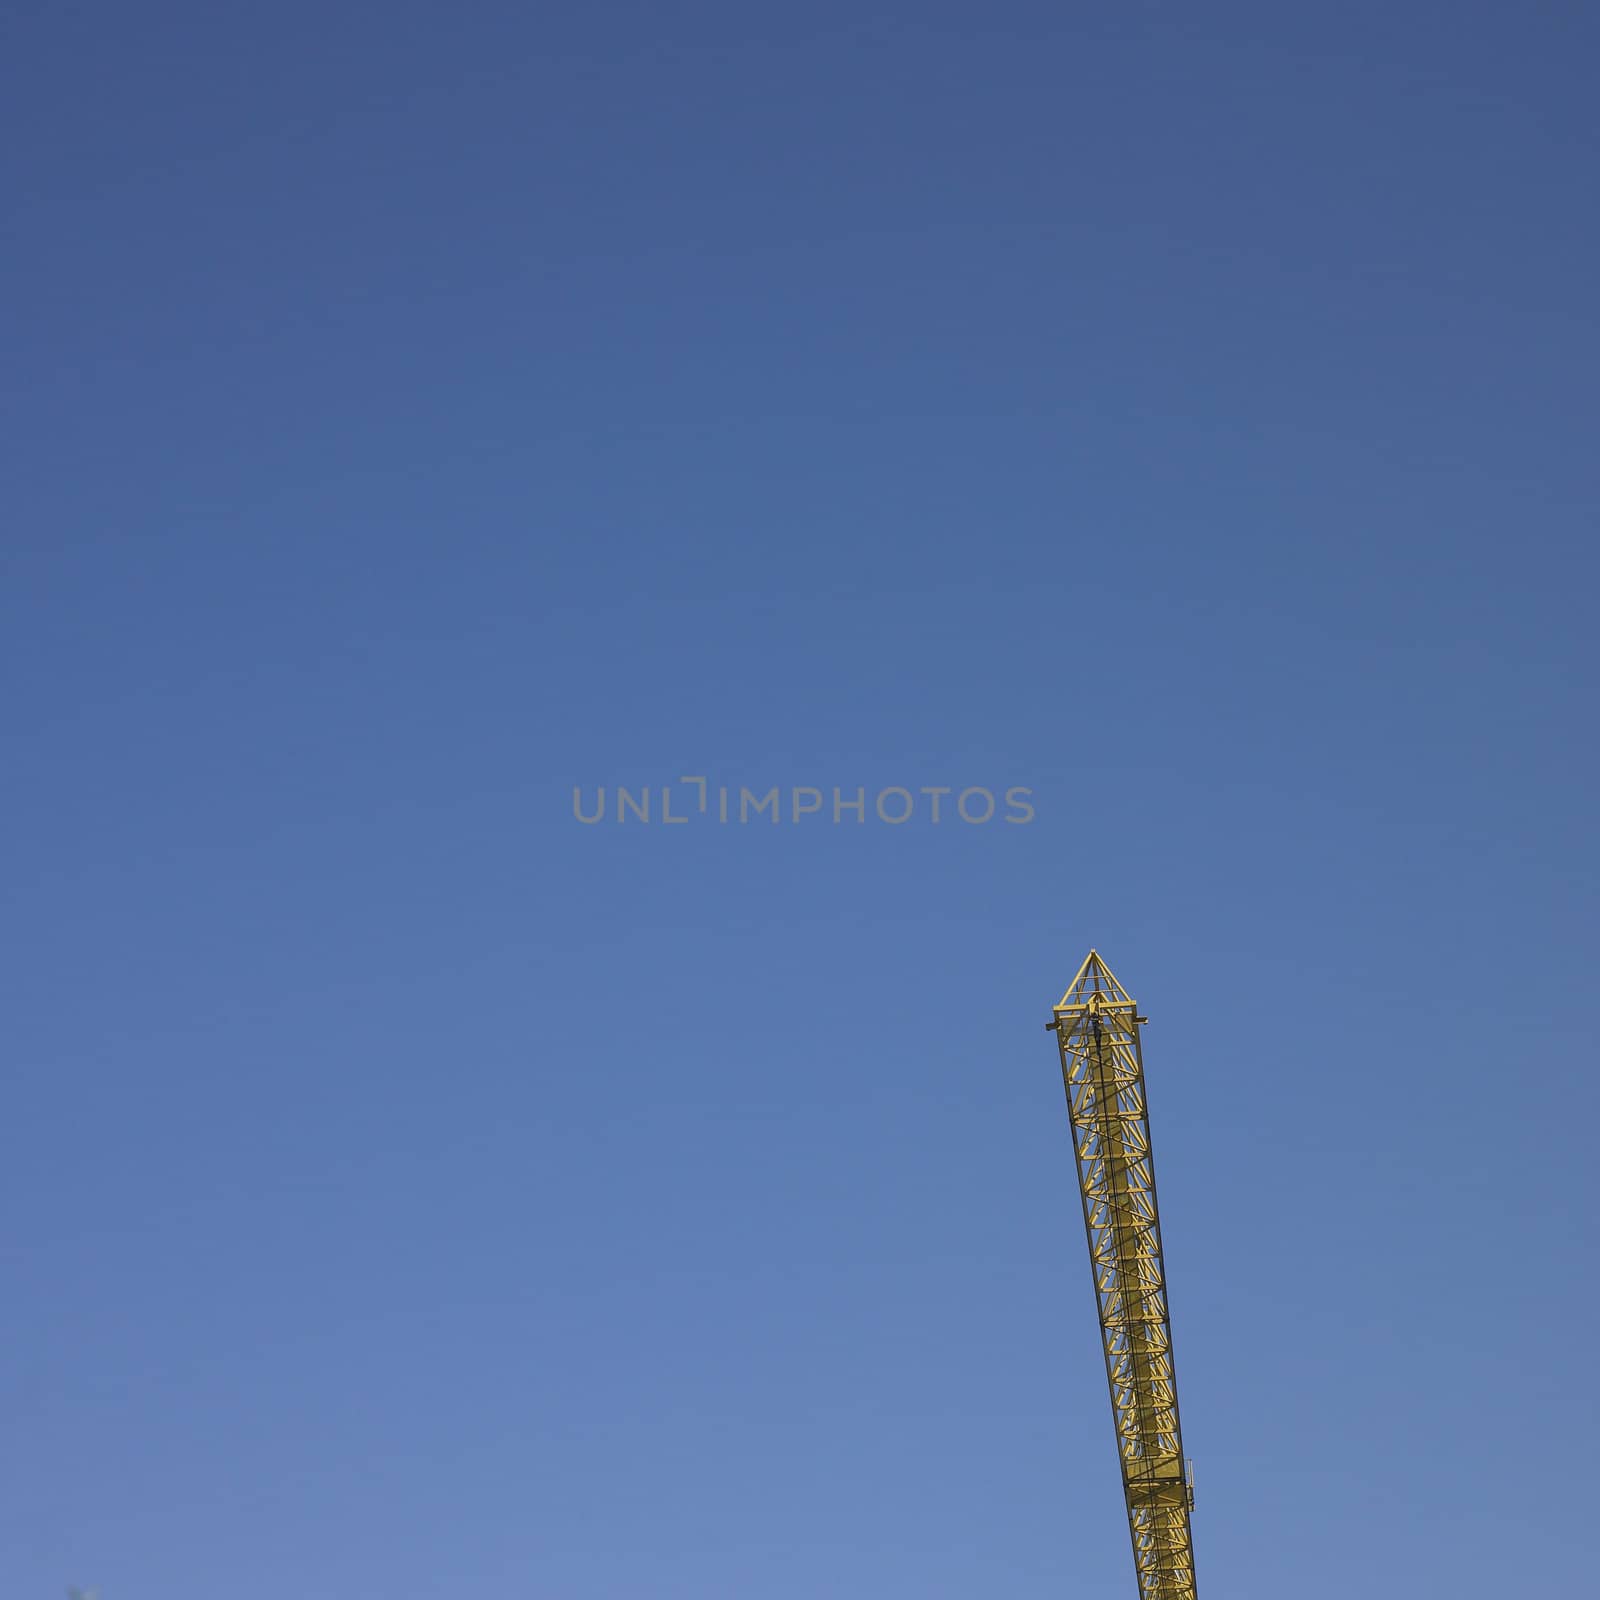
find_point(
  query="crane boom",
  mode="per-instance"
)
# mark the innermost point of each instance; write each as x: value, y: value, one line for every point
x: 1096, y: 1025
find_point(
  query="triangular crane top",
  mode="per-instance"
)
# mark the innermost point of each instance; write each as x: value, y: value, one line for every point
x: 1094, y: 979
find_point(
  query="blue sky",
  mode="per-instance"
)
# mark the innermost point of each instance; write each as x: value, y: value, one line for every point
x: 418, y: 411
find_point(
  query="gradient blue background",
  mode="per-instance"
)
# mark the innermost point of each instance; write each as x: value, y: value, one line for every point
x: 418, y: 410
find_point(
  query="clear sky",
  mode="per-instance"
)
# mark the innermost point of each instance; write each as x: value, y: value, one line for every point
x: 415, y: 411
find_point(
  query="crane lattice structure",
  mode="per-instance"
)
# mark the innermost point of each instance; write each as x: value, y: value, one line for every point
x: 1096, y: 1025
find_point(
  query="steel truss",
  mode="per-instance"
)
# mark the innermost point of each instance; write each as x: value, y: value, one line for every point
x: 1096, y: 1025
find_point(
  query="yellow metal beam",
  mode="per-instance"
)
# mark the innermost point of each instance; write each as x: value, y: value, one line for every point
x: 1096, y: 1025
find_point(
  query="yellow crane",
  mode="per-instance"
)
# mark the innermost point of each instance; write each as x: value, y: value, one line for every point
x: 1096, y: 1025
